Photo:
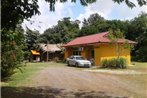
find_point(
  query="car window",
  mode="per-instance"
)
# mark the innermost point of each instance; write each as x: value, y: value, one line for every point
x: 71, y: 57
x: 79, y: 58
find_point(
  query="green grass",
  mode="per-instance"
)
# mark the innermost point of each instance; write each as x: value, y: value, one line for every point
x: 139, y: 66
x: 140, y: 80
x: 32, y: 68
x: 28, y: 71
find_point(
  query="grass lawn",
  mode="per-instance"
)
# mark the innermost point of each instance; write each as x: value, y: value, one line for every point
x: 137, y: 89
x: 137, y: 79
x: 28, y: 71
x: 139, y: 66
x: 32, y: 68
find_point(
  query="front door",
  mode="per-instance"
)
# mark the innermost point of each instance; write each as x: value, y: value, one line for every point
x: 92, y: 56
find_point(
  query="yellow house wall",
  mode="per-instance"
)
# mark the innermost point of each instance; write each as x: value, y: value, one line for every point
x: 68, y: 52
x: 85, y: 53
x: 107, y: 51
x: 97, y: 55
x: 101, y: 51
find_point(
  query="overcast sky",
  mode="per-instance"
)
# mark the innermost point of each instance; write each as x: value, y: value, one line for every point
x: 106, y: 8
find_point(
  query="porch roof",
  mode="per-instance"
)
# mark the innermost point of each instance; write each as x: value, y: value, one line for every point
x: 50, y: 47
x: 34, y: 52
x: 95, y: 38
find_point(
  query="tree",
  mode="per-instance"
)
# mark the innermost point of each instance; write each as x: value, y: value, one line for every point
x: 114, y: 36
x: 12, y: 44
x: 31, y: 40
x: 138, y: 31
x: 63, y: 32
x: 130, y: 3
x: 94, y: 24
x: 118, y: 24
x: 14, y: 12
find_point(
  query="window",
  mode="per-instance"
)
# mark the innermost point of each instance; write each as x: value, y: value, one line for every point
x: 79, y: 58
x: 71, y: 57
x: 76, y: 52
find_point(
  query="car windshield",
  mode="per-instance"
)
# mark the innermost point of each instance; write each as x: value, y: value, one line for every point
x: 79, y: 58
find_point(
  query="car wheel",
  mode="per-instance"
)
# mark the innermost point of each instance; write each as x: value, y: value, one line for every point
x: 77, y: 65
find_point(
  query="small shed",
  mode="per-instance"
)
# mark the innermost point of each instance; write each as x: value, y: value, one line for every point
x: 35, y: 56
x: 50, y: 52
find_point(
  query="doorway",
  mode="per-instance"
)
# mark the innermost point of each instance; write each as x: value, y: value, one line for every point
x: 92, y: 56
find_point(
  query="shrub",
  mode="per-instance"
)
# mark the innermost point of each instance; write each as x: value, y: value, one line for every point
x: 114, y: 63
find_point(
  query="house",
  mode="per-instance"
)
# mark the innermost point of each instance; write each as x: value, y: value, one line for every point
x: 97, y: 47
x: 50, y: 52
x: 35, y: 56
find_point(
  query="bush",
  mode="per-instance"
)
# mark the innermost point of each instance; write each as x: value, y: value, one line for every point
x: 114, y: 63
x: 12, y: 54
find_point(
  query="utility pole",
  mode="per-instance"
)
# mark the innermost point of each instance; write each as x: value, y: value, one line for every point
x: 47, y: 52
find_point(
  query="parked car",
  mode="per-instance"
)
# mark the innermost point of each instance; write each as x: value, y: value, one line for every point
x: 78, y: 61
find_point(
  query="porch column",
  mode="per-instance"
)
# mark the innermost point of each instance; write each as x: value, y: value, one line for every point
x: 97, y: 55
x: 84, y: 53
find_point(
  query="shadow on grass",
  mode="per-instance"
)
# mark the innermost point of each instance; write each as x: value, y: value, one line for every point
x: 48, y: 92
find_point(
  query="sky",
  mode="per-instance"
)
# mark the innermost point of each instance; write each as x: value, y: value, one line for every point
x: 106, y: 8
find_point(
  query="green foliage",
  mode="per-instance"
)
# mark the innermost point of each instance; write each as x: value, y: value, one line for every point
x: 114, y: 63
x: 94, y: 24
x: 15, y: 11
x: 115, y: 36
x: 28, y: 70
x: 130, y: 3
x: 118, y: 24
x: 31, y: 40
x: 135, y: 29
x: 138, y: 31
x: 63, y: 32
x: 11, y: 52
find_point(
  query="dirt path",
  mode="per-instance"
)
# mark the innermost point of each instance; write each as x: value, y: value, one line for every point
x: 71, y: 79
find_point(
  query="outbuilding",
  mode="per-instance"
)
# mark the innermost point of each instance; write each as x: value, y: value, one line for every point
x: 50, y: 52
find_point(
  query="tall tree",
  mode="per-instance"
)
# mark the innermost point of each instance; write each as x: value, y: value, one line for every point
x: 138, y: 31
x: 118, y: 24
x: 31, y: 40
x: 12, y: 44
x: 63, y: 32
x: 114, y: 36
x: 94, y: 24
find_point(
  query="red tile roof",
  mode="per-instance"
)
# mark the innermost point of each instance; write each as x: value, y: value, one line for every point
x: 95, y: 38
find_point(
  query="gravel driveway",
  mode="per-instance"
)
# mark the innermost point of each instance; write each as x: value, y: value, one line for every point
x: 76, y: 83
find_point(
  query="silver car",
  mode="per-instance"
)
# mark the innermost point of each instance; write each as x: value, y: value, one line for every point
x: 78, y: 61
